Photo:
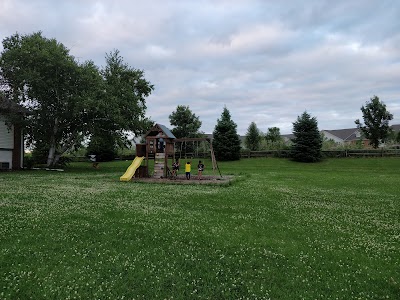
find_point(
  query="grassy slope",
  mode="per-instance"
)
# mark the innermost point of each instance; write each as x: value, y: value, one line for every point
x: 283, y: 230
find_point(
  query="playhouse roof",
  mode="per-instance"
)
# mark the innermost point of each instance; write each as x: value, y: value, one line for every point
x: 156, y: 128
x: 167, y: 132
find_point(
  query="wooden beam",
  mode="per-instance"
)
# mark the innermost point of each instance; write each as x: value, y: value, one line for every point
x: 192, y: 140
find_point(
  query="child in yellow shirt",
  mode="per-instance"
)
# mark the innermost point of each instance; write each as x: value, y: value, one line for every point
x: 188, y: 168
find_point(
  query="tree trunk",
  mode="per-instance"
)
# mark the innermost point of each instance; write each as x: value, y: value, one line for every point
x: 51, y: 156
x: 54, y: 156
x: 52, y: 150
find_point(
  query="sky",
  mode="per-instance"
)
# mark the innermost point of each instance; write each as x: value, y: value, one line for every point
x: 266, y: 61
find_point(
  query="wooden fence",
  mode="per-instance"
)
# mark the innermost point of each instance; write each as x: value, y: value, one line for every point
x: 279, y: 154
x: 327, y: 153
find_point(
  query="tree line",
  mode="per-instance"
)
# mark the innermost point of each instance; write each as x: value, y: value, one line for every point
x: 306, y: 144
x: 68, y: 102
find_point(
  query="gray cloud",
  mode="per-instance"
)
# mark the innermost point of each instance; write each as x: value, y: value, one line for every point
x: 267, y: 61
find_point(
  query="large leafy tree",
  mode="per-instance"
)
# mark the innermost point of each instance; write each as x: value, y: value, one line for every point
x: 42, y: 76
x: 126, y: 90
x: 376, y: 121
x: 253, y: 137
x: 67, y: 100
x: 273, y: 137
x: 121, y: 110
x: 186, y: 123
x: 226, y: 141
x: 307, y: 141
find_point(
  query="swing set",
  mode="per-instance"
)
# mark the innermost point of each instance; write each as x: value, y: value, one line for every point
x: 195, y: 150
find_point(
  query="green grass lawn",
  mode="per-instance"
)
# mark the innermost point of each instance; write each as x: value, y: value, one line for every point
x: 281, y: 230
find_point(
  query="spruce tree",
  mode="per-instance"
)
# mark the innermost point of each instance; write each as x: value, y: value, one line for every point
x: 226, y: 141
x: 307, y: 141
x: 253, y: 137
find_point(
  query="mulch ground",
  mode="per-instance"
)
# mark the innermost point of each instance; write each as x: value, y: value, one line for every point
x: 181, y: 179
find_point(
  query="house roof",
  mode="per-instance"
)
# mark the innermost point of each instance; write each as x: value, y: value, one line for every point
x: 395, y: 127
x: 7, y: 106
x: 287, y: 137
x: 349, y: 134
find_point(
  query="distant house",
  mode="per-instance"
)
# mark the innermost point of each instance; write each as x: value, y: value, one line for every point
x: 350, y: 135
x: 287, y: 138
x: 395, y: 128
x: 345, y: 136
x: 11, y: 138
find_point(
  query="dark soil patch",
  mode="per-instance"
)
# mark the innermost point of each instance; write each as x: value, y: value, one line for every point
x: 181, y: 179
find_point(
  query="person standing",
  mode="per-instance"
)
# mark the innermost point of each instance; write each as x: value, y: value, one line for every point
x: 92, y: 158
x: 159, y: 136
x: 188, y: 168
x: 200, y: 169
x: 175, y: 168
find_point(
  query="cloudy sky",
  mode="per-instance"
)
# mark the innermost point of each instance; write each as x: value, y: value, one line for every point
x: 266, y: 61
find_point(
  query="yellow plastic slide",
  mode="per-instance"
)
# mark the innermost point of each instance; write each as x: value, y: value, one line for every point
x: 132, y: 169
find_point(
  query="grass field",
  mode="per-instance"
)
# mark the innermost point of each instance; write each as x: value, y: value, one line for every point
x: 281, y: 230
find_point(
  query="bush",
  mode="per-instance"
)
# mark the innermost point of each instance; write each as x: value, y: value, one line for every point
x: 28, y: 162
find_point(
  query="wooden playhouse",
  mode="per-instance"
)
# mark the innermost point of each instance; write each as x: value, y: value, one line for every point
x: 160, y: 147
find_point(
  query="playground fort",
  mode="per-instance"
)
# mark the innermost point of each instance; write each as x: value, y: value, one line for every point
x: 160, y: 146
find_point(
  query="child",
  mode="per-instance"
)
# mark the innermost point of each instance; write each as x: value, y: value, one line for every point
x: 92, y: 158
x: 200, y: 168
x: 160, y: 141
x: 188, y: 168
x: 175, y: 168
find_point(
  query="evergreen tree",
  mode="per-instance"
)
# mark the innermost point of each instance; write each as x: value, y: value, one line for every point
x: 253, y: 137
x: 307, y: 141
x: 226, y: 141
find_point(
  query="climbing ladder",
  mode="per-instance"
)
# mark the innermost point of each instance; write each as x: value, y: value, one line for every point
x: 159, y: 165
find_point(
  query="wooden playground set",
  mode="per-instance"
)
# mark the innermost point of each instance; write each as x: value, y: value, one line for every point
x: 160, y: 146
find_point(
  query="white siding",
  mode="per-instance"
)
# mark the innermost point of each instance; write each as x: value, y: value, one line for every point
x: 6, y: 135
x: 6, y: 156
x: 6, y: 142
x: 21, y: 162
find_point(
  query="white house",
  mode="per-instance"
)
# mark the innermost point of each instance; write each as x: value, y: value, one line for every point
x: 342, y: 136
x: 350, y: 135
x: 11, y: 142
